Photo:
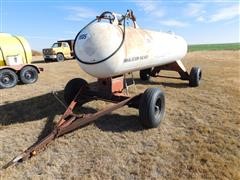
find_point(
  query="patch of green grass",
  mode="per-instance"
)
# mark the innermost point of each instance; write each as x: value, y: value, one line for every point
x: 214, y: 47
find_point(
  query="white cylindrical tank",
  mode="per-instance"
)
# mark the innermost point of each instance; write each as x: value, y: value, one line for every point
x: 141, y: 49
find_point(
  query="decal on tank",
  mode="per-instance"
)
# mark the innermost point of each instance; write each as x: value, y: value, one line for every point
x: 136, y: 58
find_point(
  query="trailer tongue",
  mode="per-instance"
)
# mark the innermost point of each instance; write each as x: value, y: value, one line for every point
x: 68, y: 123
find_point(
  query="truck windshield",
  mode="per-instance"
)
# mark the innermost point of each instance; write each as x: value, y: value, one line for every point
x: 55, y: 45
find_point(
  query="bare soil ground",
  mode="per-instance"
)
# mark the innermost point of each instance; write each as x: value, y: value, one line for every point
x: 198, y: 139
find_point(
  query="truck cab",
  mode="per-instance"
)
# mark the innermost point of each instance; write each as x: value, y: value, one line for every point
x: 59, y: 51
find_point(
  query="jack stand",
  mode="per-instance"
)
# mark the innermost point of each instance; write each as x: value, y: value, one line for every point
x: 127, y: 84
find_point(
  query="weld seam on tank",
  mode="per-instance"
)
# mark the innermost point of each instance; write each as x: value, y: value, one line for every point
x: 25, y: 53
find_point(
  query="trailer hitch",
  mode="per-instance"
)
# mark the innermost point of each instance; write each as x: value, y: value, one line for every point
x: 68, y: 123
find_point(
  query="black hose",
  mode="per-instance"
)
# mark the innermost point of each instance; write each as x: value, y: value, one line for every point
x: 123, y: 39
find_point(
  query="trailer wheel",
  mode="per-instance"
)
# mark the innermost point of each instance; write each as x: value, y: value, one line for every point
x: 152, y: 107
x: 145, y: 74
x: 28, y: 75
x: 60, y: 57
x: 8, y: 78
x: 72, y: 88
x: 195, y: 77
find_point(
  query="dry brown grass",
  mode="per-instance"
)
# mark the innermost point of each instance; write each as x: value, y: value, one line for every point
x: 198, y: 139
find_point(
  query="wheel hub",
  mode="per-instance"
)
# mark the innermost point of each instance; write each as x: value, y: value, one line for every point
x: 158, y: 107
x: 28, y: 75
x: 6, y: 80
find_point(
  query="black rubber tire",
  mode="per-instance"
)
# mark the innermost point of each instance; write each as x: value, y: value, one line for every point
x: 72, y: 87
x: 8, y: 78
x: 145, y: 74
x: 28, y: 75
x: 60, y: 57
x: 195, y: 77
x: 152, y: 107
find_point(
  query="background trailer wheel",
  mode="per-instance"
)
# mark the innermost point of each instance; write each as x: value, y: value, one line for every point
x: 28, y: 75
x: 8, y: 78
x: 152, y: 107
x: 72, y: 88
x: 195, y: 77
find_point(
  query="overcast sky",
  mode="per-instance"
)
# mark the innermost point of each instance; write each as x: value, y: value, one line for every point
x: 42, y: 22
